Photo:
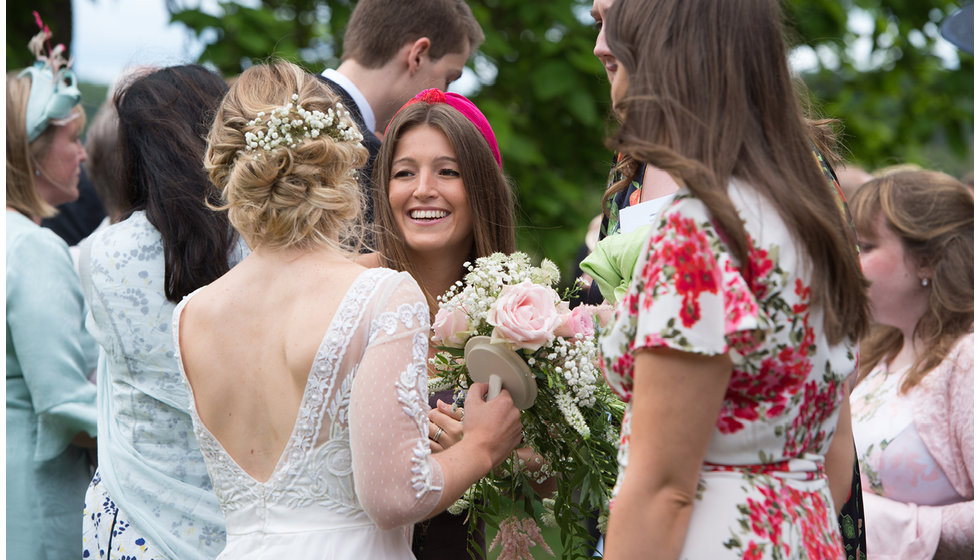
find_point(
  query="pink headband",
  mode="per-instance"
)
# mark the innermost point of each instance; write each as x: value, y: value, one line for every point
x: 464, y: 106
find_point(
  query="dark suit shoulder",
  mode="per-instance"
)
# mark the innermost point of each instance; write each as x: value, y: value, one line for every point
x: 370, y: 141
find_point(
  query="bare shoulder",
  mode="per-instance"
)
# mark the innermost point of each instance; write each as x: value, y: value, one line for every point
x: 210, y: 298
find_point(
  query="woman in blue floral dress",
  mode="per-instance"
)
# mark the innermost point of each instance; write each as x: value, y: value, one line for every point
x: 151, y: 497
x: 735, y: 337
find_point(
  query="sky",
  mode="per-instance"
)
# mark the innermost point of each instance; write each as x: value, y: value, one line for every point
x: 112, y: 35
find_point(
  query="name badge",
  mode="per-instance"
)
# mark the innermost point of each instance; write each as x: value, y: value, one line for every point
x: 642, y: 214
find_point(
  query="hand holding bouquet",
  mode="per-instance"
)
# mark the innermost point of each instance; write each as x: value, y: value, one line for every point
x: 507, y: 320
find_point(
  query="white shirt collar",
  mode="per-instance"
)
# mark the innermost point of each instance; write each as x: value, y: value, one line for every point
x: 362, y: 102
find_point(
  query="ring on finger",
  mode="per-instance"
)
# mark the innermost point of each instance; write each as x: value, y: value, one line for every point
x: 435, y: 438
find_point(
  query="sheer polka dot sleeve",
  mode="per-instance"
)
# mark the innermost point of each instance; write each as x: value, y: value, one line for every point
x: 395, y: 477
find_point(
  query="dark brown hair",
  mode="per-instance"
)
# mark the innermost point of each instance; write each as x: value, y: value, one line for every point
x: 932, y: 215
x: 378, y: 28
x: 709, y: 98
x: 104, y: 165
x: 163, y: 118
x: 487, y: 191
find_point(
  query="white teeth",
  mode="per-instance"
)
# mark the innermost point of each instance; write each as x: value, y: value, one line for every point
x: 428, y: 214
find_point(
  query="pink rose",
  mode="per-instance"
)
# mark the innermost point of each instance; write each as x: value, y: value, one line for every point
x: 451, y: 327
x: 563, y: 313
x: 583, y: 319
x: 578, y: 321
x: 525, y: 315
x: 603, y: 313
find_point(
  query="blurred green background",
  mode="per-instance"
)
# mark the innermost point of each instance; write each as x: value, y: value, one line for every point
x: 901, y: 93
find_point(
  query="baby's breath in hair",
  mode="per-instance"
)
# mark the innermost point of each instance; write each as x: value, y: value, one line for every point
x: 285, y: 126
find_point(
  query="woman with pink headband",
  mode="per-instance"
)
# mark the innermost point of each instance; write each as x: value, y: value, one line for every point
x: 441, y: 199
x: 441, y: 192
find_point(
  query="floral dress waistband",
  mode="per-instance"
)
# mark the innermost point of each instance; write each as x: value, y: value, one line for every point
x: 808, y: 467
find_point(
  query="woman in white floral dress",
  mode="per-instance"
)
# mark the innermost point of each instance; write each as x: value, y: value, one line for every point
x: 913, y: 404
x: 734, y: 340
x: 308, y: 371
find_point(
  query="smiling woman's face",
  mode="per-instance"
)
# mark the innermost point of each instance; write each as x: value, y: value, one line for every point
x: 427, y: 195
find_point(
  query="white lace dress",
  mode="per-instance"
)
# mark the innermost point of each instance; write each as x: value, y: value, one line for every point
x: 357, y: 471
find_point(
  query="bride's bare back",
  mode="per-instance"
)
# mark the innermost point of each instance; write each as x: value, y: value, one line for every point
x: 248, y: 341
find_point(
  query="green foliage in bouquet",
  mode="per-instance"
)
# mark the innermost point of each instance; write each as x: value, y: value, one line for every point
x: 572, y: 425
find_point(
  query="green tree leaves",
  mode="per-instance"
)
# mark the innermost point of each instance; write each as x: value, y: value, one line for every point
x: 902, y: 93
x: 879, y: 73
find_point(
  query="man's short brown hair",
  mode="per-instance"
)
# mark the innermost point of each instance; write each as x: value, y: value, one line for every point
x: 379, y: 28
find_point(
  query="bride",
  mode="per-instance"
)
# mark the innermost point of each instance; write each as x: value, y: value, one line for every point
x: 308, y: 371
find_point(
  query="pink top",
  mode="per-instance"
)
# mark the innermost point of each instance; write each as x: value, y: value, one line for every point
x: 916, y: 454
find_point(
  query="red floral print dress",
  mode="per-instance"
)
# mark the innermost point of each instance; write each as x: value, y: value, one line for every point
x: 762, y: 492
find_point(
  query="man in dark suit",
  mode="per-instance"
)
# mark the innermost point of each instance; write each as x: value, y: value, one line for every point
x: 394, y: 49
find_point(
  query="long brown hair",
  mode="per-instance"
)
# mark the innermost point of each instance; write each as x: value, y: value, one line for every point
x: 710, y: 98
x: 627, y: 169
x: 932, y: 215
x: 487, y: 191
x: 163, y: 117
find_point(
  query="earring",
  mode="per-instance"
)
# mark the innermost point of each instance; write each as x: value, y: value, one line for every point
x: 925, y: 282
x: 37, y: 172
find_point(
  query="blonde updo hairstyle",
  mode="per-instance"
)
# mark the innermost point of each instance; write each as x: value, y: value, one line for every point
x: 301, y: 196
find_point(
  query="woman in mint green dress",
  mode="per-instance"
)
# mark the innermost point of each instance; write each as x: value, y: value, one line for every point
x: 50, y: 403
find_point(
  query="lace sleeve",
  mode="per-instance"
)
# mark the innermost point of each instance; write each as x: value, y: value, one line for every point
x: 396, y: 479
x: 945, y: 423
x: 944, y: 415
x: 956, y: 537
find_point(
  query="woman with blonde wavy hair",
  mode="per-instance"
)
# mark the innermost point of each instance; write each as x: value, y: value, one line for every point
x: 308, y: 371
x: 913, y: 404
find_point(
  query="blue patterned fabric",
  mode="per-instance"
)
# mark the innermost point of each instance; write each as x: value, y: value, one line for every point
x: 150, y: 463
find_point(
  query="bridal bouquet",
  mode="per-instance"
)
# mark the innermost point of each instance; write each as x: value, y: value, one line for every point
x: 506, y: 325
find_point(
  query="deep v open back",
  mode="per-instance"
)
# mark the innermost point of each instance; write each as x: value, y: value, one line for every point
x: 356, y: 471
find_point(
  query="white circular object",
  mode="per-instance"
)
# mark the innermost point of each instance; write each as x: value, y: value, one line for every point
x: 500, y: 366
